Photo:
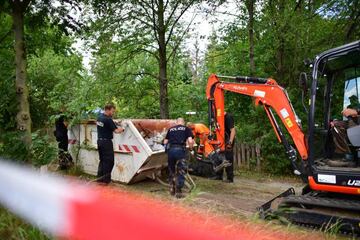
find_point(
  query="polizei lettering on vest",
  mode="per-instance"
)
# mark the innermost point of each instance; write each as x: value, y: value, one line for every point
x: 181, y: 128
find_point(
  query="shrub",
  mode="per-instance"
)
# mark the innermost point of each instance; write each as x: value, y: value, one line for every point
x: 12, y: 147
x: 41, y: 151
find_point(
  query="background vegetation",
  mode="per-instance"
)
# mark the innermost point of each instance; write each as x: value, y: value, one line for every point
x: 140, y: 61
x: 266, y: 38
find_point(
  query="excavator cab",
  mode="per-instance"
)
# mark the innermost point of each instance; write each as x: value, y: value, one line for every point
x: 333, y: 137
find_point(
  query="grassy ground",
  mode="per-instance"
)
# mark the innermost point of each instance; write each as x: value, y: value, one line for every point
x: 12, y: 228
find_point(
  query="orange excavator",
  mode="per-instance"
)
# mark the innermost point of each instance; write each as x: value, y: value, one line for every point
x: 331, y: 195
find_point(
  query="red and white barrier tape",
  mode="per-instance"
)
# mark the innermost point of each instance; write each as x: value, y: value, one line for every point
x: 42, y: 200
x: 72, y: 210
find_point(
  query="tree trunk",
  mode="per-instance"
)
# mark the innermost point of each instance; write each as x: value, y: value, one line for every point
x: 250, y: 8
x: 23, y: 118
x: 163, y: 81
x: 281, y: 49
x: 164, y: 104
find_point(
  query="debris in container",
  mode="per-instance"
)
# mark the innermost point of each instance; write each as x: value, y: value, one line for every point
x: 155, y: 142
x: 157, y: 147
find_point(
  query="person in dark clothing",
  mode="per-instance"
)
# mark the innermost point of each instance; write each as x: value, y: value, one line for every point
x: 337, y: 143
x: 65, y: 159
x: 337, y: 135
x: 105, y: 129
x: 61, y: 133
x: 175, y: 145
x: 229, y: 153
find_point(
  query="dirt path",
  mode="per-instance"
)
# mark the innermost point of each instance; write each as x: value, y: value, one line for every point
x: 240, y: 198
x: 245, y: 195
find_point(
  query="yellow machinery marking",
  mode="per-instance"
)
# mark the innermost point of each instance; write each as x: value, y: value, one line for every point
x: 289, y: 122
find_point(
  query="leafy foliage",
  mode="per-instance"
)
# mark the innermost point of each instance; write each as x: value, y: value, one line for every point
x: 12, y: 228
x: 125, y: 63
x: 42, y: 150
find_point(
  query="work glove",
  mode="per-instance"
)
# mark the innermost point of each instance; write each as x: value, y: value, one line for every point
x: 229, y: 145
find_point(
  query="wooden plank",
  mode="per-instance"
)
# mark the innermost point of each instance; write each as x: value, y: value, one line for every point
x: 253, y: 153
x: 236, y: 165
x: 248, y: 152
x: 238, y: 154
x: 258, y: 157
x: 243, y: 156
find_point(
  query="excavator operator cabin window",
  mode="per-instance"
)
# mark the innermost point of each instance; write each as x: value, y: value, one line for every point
x: 352, y: 88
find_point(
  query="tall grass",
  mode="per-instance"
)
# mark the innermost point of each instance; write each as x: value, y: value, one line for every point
x: 13, y: 228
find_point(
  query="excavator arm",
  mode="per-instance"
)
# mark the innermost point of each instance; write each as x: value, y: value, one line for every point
x: 271, y: 96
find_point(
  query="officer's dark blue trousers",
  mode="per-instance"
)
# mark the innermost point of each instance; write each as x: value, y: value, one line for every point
x: 106, y: 164
x: 177, y: 166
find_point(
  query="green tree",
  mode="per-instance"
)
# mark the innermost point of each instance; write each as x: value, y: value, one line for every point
x: 39, y: 11
x: 147, y: 26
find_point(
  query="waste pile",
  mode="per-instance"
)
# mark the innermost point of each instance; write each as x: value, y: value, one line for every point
x: 155, y: 142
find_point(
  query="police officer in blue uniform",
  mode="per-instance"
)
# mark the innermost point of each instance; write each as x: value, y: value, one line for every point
x: 105, y: 129
x: 175, y: 144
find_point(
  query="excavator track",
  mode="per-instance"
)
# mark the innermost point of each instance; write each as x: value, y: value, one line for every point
x: 322, y: 212
x: 347, y: 204
x: 316, y: 211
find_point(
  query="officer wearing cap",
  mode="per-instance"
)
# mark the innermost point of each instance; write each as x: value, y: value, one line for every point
x: 175, y: 144
x: 105, y: 129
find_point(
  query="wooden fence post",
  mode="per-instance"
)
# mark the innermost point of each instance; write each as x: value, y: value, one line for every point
x: 236, y: 164
x: 238, y: 154
x: 248, y: 156
x: 253, y: 154
x: 243, y: 156
x: 258, y: 157
x: 245, y: 153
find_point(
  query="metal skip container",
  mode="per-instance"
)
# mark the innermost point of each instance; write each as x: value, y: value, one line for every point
x: 138, y: 150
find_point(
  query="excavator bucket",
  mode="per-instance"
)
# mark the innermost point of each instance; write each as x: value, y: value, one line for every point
x: 269, y: 207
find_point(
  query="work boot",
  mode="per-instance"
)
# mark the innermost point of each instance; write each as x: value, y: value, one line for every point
x: 179, y: 194
x: 229, y: 180
x: 216, y: 178
x: 102, y: 183
x: 223, y: 165
x: 172, y: 190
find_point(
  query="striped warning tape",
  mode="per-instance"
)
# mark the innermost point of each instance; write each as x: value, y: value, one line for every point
x: 67, y: 208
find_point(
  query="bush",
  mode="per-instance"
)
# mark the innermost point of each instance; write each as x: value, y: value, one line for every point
x: 275, y: 158
x: 41, y: 151
x: 12, y: 147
